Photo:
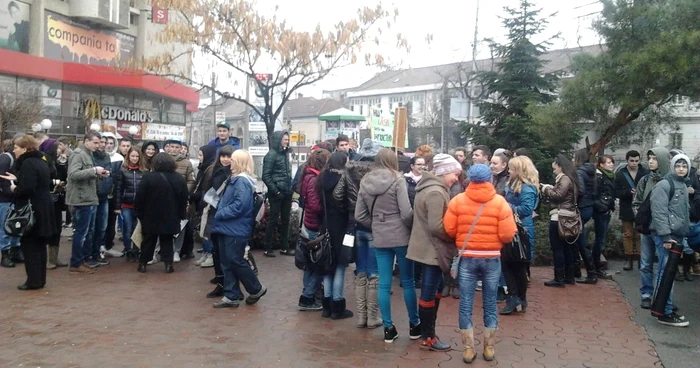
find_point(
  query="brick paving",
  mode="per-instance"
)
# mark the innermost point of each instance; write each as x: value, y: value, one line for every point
x: 120, y: 318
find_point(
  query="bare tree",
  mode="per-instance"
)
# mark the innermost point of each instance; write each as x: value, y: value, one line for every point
x: 18, y: 112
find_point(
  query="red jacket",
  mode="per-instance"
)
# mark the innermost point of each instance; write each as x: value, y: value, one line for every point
x: 313, y: 206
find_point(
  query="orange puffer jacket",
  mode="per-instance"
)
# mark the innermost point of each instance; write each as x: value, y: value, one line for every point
x: 495, y: 227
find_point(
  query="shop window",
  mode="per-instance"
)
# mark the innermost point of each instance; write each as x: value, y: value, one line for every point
x: 50, y: 106
x: 29, y: 87
x: 8, y: 83
x: 175, y: 107
x: 133, y: 19
x: 175, y: 118
x: 143, y: 103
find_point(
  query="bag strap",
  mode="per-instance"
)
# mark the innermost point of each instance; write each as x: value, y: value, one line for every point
x: 223, y: 186
x: 371, y: 212
x: 325, y: 212
x: 471, y: 229
x: 629, y: 179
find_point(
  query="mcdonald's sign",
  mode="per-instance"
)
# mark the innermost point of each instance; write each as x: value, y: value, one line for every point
x: 91, y: 109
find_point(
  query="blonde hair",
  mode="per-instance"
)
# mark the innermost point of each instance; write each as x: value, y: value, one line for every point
x: 242, y: 163
x: 524, y: 172
x: 387, y: 159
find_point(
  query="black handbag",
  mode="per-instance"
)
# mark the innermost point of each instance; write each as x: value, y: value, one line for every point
x: 320, y: 249
x: 19, y: 220
x: 518, y: 250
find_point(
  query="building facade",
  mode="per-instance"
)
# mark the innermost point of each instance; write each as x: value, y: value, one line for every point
x: 71, y: 57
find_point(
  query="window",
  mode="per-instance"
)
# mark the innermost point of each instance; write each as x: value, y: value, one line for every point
x: 678, y: 100
x: 675, y: 140
x: 134, y: 19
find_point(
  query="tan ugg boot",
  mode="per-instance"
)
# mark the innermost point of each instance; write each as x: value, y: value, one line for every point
x: 489, y: 342
x: 468, y: 342
x: 361, y: 299
x: 373, y: 318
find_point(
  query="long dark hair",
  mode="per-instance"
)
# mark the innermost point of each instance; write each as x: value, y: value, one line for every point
x: 568, y: 169
x: 224, y: 151
x: 334, y: 168
x: 581, y: 157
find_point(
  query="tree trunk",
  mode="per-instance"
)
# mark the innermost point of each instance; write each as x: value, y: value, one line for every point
x: 622, y: 120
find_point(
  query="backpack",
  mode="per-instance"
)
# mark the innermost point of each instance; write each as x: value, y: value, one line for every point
x: 642, y: 220
x: 12, y: 159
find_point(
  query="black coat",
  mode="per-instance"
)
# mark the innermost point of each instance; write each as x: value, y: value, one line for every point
x: 337, y: 217
x: 411, y: 188
x: 126, y: 184
x: 623, y: 191
x: 6, y: 163
x: 33, y: 184
x: 605, y: 199
x: 161, y: 202
x: 586, y: 185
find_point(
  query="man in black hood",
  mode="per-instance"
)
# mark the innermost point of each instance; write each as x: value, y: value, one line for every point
x: 277, y: 176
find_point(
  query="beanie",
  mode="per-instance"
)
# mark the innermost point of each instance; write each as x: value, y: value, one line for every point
x: 444, y: 164
x: 479, y: 173
x: 680, y: 157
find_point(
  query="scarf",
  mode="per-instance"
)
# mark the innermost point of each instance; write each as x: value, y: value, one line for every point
x: 608, y: 173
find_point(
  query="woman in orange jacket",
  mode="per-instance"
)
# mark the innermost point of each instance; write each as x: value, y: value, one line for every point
x: 481, y: 222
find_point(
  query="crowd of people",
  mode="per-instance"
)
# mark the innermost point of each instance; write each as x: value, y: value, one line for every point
x: 438, y: 221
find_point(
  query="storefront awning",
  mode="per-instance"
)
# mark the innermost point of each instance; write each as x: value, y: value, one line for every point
x: 29, y: 66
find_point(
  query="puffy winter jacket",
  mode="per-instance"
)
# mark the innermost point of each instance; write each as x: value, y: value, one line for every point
x: 586, y: 185
x: 126, y: 183
x: 349, y: 186
x: 104, y: 185
x: 234, y: 216
x: 605, y: 199
x: 313, y: 208
x: 277, y: 172
x: 184, y: 168
x: 670, y: 219
x: 524, y: 204
x: 495, y: 227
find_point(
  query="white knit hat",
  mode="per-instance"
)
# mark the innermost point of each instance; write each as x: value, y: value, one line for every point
x: 444, y: 164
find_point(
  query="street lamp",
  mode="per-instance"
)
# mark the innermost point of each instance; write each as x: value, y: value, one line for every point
x: 46, y: 125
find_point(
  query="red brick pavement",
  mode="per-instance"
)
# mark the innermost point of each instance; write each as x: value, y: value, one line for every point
x: 120, y: 318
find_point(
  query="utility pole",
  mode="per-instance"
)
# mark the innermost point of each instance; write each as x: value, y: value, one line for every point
x: 470, y: 86
x: 445, y: 116
x: 213, y: 99
x: 246, y: 116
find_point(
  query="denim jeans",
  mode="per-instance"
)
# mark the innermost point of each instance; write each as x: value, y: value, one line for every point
x: 365, y: 257
x: 128, y: 216
x: 646, y: 266
x: 312, y: 280
x: 333, y: 284
x: 471, y: 270
x: 6, y: 241
x: 432, y: 283
x: 235, y: 267
x: 207, y: 246
x: 600, y: 222
x: 561, y: 250
x: 385, y: 264
x: 83, y: 224
x: 663, y: 259
x: 98, y: 238
x: 581, y: 246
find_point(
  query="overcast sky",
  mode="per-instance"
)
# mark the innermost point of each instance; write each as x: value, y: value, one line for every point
x: 451, y: 22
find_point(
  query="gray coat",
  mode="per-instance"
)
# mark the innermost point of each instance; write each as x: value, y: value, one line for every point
x: 392, y: 216
x: 81, y: 187
x: 670, y: 220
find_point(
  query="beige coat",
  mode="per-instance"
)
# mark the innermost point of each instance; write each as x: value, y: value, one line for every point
x: 429, y: 242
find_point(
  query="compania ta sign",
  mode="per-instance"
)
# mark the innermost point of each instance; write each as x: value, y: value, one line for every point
x: 91, y: 109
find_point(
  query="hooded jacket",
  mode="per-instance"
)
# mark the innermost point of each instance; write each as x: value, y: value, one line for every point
x: 586, y: 185
x: 234, y: 215
x: 495, y: 227
x: 184, y: 168
x: 523, y: 204
x: 81, y: 186
x: 392, y: 216
x: 313, y: 207
x: 349, y: 187
x: 623, y: 190
x: 277, y: 172
x: 429, y: 242
x: 670, y: 218
x: 647, y: 183
x: 562, y: 195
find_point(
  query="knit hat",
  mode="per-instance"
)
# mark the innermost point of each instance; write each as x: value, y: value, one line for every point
x: 444, y: 164
x: 369, y: 148
x: 680, y: 157
x: 479, y: 173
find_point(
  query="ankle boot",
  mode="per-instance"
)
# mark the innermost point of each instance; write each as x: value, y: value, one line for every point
x: 687, y: 264
x: 361, y: 299
x: 218, y: 292
x: 489, y: 343
x: 468, y: 341
x: 141, y: 268
x: 629, y: 264
x: 428, y: 339
x: 326, y: 302
x: 570, y: 275
x: 339, y: 311
x: 513, y: 304
x: 169, y: 267
x: 373, y: 319
x: 558, y: 280
x: 6, y: 260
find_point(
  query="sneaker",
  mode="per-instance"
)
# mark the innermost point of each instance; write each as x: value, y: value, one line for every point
x: 414, y: 331
x: 208, y: 261
x: 103, y: 251
x: 187, y: 256
x: 115, y: 253
x: 252, y: 299
x: 672, y: 320
x: 102, y: 261
x: 226, y: 303
x: 201, y: 259
x: 676, y: 315
x: 390, y: 334
x: 646, y: 303
x: 91, y: 264
x: 176, y: 257
x: 153, y: 261
x: 479, y: 285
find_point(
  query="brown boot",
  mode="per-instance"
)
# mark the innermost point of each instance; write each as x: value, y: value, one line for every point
x: 468, y: 341
x: 361, y: 299
x: 489, y: 342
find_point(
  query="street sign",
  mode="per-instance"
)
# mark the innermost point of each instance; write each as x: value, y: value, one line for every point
x: 266, y: 78
x: 159, y: 15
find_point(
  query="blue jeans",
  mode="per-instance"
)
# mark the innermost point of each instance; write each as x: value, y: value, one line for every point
x: 207, y: 246
x: 235, y: 267
x: 83, y: 224
x: 471, y: 270
x: 128, y: 217
x: 601, y: 223
x: 6, y: 241
x: 663, y: 259
x: 312, y: 280
x: 101, y: 215
x: 385, y: 264
x: 646, y: 266
x: 561, y: 250
x: 333, y: 284
x: 582, y: 243
x: 365, y: 258
x: 432, y: 283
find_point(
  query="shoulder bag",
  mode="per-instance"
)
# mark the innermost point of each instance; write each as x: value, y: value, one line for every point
x: 518, y: 250
x: 203, y: 231
x: 320, y: 249
x: 454, y: 269
x: 569, y: 223
x: 20, y: 219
